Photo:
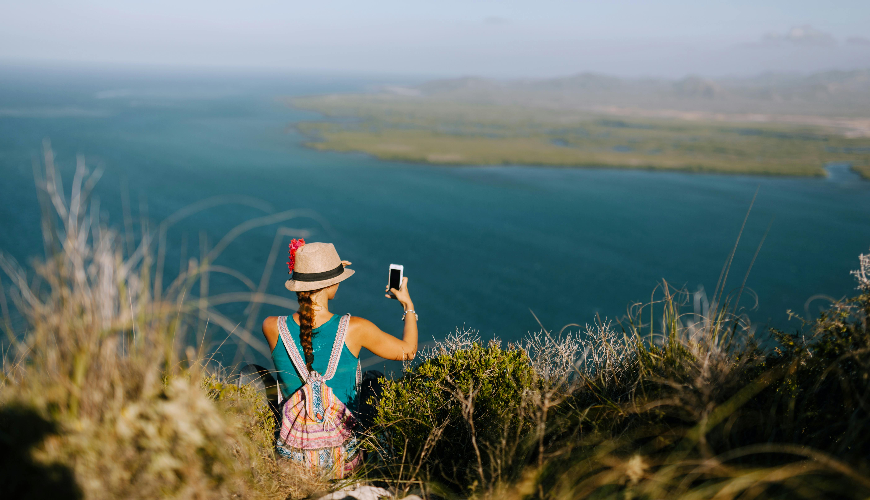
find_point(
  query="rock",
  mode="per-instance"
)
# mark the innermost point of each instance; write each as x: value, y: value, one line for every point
x: 358, y: 492
x: 364, y: 492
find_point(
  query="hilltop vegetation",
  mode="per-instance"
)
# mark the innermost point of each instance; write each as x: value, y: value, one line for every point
x: 686, y: 405
x: 101, y: 396
x: 591, y: 120
x: 102, y: 392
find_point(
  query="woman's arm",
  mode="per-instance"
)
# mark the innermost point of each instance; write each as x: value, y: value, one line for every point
x: 366, y: 334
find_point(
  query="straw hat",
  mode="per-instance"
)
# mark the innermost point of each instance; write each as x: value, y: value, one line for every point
x: 317, y: 266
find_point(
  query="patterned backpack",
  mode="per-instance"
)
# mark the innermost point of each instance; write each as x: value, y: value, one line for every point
x: 316, y: 427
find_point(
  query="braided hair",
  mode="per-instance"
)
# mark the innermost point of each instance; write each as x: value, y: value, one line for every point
x: 306, y: 325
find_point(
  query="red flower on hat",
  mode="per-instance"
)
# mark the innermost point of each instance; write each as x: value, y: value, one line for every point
x: 294, y: 245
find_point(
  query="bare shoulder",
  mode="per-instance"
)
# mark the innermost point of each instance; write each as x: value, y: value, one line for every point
x: 270, y: 327
x: 270, y: 323
x: 361, y: 333
x: 358, y: 323
x: 361, y: 326
x: 270, y: 330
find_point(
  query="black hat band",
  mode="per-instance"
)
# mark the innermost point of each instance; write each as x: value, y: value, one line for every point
x: 325, y: 275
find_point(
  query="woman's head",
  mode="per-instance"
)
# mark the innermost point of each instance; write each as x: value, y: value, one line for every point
x: 315, y: 271
x: 314, y: 266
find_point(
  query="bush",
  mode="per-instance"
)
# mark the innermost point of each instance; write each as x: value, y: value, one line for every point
x: 459, y: 415
x: 694, y: 409
x: 824, y: 400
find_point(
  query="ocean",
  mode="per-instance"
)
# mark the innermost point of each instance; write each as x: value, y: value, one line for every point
x: 494, y: 249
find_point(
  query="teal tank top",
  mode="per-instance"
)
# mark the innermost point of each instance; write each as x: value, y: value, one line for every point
x: 343, y: 384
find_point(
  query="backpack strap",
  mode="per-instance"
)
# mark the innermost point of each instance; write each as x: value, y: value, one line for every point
x: 340, y: 335
x: 295, y: 357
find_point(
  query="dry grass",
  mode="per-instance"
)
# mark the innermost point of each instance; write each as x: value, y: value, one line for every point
x: 100, y: 397
x: 678, y: 402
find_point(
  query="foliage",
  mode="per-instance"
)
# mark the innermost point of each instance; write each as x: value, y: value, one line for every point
x: 456, y: 414
x: 99, y: 396
x: 824, y: 401
x: 100, y: 399
x: 691, y: 409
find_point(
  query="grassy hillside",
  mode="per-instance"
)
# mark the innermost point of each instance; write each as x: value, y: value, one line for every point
x: 101, y: 396
x: 449, y: 132
x: 679, y: 403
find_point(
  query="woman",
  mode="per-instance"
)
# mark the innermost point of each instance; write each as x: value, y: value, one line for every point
x: 316, y: 272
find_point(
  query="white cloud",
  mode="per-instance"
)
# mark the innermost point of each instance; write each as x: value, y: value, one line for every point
x: 805, y: 36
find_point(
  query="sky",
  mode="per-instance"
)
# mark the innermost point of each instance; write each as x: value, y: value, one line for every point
x: 509, y: 39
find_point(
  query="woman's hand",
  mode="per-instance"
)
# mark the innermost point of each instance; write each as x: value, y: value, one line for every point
x: 401, y: 294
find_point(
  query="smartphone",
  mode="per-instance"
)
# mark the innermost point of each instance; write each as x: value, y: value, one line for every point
x: 396, y: 272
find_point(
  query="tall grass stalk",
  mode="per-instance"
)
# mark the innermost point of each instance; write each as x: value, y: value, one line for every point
x: 684, y: 404
x: 101, y: 394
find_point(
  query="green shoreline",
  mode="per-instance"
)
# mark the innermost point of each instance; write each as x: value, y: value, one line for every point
x: 445, y: 133
x: 698, y: 169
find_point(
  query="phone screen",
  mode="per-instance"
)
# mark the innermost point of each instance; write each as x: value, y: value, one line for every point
x: 395, y: 278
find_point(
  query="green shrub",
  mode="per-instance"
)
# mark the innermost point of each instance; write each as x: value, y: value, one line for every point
x: 695, y: 409
x: 824, y: 400
x: 460, y: 414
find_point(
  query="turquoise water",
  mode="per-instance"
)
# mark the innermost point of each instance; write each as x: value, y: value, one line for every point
x: 483, y: 246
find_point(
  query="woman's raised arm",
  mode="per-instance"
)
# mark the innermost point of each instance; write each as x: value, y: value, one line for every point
x: 365, y: 334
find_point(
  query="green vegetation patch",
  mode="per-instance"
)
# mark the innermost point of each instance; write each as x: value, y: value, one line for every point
x: 466, y: 405
x: 862, y: 170
x: 445, y: 133
x: 690, y: 407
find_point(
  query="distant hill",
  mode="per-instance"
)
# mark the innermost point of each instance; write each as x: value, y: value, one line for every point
x: 831, y: 93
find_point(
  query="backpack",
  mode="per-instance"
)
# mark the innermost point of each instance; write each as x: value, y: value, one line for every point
x: 317, y: 428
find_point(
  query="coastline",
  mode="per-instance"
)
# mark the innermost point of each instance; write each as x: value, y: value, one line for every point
x: 692, y: 169
x: 451, y: 134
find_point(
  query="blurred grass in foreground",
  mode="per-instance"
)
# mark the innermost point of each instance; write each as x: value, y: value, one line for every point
x: 101, y: 395
x: 453, y: 133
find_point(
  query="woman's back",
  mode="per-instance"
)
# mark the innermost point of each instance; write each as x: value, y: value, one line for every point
x: 313, y: 433
x: 343, y: 384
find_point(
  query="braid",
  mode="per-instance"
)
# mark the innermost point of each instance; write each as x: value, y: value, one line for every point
x: 306, y: 324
